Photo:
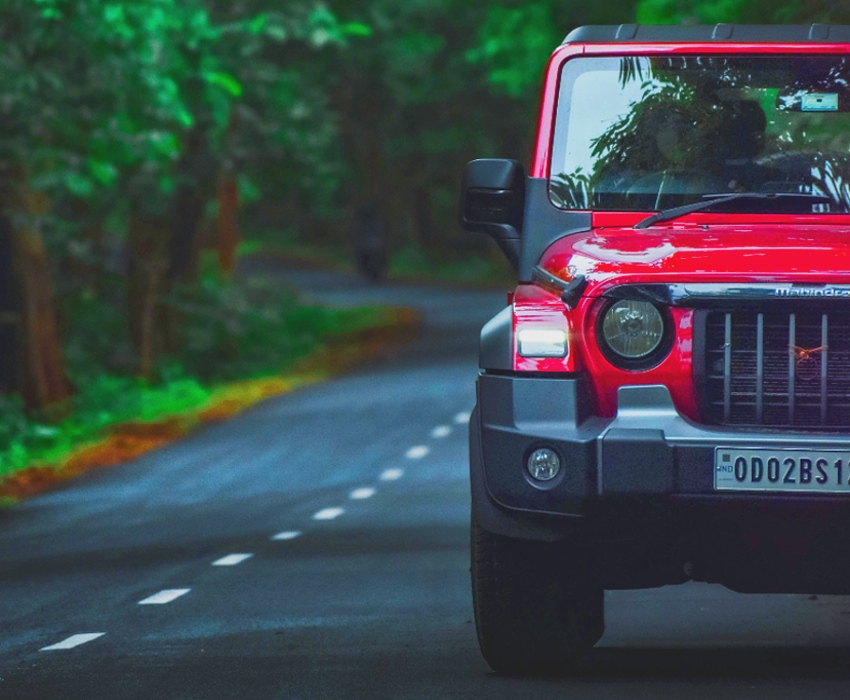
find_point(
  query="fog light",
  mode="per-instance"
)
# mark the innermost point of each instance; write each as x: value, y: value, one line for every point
x: 543, y: 464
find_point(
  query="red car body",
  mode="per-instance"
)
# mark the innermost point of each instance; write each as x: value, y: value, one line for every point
x: 719, y: 456
x: 699, y: 248
x: 705, y: 248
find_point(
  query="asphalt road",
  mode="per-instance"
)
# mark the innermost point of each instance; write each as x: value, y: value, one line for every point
x: 364, y: 593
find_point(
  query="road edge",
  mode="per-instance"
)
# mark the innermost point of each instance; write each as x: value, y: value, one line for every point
x: 127, y: 441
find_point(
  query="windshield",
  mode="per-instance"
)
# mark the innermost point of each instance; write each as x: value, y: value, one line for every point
x: 650, y: 133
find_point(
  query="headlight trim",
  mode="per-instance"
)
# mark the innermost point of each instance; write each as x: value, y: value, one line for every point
x: 645, y: 361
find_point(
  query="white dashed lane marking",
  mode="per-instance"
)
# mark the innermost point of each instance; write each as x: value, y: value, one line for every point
x: 441, y: 431
x: 462, y: 417
x: 232, y: 559
x: 73, y: 641
x: 417, y: 452
x: 361, y: 494
x: 165, y: 596
x: 392, y: 474
x: 286, y: 535
x: 328, y: 513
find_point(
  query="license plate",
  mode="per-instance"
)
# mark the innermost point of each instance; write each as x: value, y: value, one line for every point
x: 806, y: 471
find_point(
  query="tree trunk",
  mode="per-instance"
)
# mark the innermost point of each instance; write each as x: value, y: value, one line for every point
x: 227, y: 222
x: 185, y: 240
x: 44, y: 383
x: 10, y: 356
x: 361, y: 105
x: 196, y: 177
x: 422, y: 216
x: 146, y: 287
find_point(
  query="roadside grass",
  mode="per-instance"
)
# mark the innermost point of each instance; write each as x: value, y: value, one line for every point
x: 242, y: 343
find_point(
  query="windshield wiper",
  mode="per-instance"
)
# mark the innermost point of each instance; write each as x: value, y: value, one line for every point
x: 709, y: 200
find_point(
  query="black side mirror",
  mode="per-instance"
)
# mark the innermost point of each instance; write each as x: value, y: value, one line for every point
x: 492, y: 201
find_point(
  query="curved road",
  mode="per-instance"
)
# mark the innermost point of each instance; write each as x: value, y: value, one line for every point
x: 351, y: 499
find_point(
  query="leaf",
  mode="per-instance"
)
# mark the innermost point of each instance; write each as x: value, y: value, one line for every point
x: 45, y: 431
x: 184, y: 117
x: 248, y: 190
x: 104, y: 173
x: 258, y: 24
x: 167, y: 185
x: 277, y: 32
x: 163, y: 143
x: 356, y: 29
x: 225, y: 81
x: 78, y: 184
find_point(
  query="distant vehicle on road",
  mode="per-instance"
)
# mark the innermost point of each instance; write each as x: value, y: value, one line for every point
x: 667, y: 396
x: 368, y: 236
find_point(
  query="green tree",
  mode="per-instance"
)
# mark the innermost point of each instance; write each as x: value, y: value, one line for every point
x: 138, y: 114
x: 742, y: 11
x: 436, y: 84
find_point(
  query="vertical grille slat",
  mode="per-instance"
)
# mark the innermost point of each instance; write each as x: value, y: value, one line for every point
x: 776, y: 369
x: 792, y: 364
x: 824, y: 368
x: 760, y: 368
x: 727, y: 369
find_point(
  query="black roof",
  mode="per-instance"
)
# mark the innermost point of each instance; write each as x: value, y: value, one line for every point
x: 677, y: 33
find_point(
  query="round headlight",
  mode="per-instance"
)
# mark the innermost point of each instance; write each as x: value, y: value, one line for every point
x: 633, y: 329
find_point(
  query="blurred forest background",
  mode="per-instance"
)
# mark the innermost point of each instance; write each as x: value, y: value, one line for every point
x: 147, y: 144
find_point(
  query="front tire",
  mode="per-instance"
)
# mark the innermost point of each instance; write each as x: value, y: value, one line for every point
x: 537, y: 612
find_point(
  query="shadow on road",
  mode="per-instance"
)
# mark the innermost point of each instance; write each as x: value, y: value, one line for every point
x: 719, y: 663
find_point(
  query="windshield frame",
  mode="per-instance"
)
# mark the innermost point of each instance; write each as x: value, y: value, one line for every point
x: 543, y: 155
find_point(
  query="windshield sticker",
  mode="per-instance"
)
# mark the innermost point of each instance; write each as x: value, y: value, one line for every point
x: 820, y: 102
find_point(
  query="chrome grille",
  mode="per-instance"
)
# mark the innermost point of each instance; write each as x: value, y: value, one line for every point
x: 779, y: 370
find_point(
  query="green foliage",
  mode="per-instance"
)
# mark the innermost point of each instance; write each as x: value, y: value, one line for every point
x: 100, y: 96
x: 117, y: 109
x: 254, y: 328
x: 96, y: 334
x: 678, y: 11
x: 515, y: 43
x: 98, y: 87
x: 742, y: 11
x: 20, y: 435
x: 103, y: 402
x: 234, y: 332
x: 412, y: 263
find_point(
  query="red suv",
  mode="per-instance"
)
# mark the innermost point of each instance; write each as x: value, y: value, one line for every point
x: 667, y: 396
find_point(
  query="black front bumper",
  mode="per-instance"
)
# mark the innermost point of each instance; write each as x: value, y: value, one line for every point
x: 647, y: 450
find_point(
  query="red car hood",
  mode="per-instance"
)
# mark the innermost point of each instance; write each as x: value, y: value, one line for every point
x: 812, y: 253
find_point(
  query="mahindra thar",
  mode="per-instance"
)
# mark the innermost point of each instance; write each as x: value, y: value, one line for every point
x: 666, y: 397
